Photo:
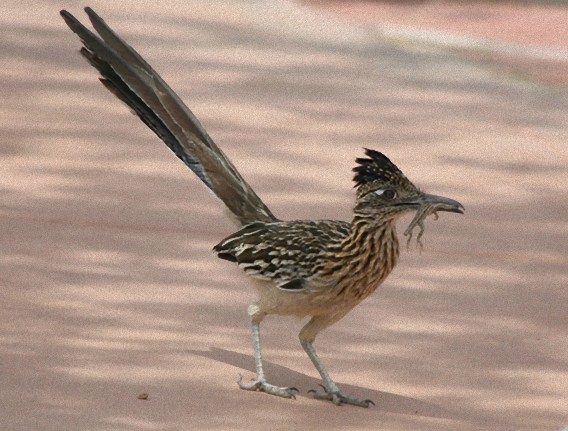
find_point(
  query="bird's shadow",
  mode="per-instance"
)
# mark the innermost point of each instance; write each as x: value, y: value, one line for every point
x: 384, y: 401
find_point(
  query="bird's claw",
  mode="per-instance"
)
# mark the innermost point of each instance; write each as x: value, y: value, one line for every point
x: 339, y: 398
x: 262, y: 386
x: 313, y: 391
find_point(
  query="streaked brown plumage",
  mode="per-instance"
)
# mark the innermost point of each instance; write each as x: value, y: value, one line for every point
x: 320, y: 269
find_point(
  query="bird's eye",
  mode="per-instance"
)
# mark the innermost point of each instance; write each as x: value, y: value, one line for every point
x: 386, y: 193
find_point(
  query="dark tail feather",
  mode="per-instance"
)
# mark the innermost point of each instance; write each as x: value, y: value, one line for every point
x: 127, y: 75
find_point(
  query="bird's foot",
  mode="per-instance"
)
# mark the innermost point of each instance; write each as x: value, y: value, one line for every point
x: 262, y: 386
x: 338, y: 398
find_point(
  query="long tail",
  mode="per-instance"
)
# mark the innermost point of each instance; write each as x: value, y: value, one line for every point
x: 127, y: 75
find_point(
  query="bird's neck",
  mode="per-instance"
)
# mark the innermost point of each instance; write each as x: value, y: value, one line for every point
x: 368, y: 254
x: 375, y: 236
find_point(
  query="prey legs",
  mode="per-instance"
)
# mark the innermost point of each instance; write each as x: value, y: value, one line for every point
x: 260, y: 383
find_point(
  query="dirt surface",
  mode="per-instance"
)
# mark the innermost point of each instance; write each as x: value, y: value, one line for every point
x: 535, y: 24
x: 115, y: 316
x: 529, y: 40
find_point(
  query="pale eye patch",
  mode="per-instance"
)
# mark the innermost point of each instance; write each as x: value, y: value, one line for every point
x: 385, y: 193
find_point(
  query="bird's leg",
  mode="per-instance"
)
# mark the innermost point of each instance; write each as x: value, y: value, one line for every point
x: 260, y: 384
x: 331, y: 390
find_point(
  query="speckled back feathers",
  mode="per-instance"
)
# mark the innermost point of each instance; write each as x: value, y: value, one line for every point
x: 283, y: 252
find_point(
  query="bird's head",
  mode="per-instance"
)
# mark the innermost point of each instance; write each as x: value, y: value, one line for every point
x: 383, y: 190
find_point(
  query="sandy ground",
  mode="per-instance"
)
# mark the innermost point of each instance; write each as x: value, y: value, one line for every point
x: 528, y: 40
x: 108, y: 284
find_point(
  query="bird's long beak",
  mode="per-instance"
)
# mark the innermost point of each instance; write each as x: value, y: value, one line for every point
x: 440, y: 203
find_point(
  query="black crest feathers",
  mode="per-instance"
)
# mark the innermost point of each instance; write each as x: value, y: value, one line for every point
x: 377, y: 167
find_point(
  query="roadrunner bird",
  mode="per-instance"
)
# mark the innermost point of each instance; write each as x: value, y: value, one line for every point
x: 321, y: 269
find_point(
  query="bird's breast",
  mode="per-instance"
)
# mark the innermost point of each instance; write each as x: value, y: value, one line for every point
x: 364, y: 263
